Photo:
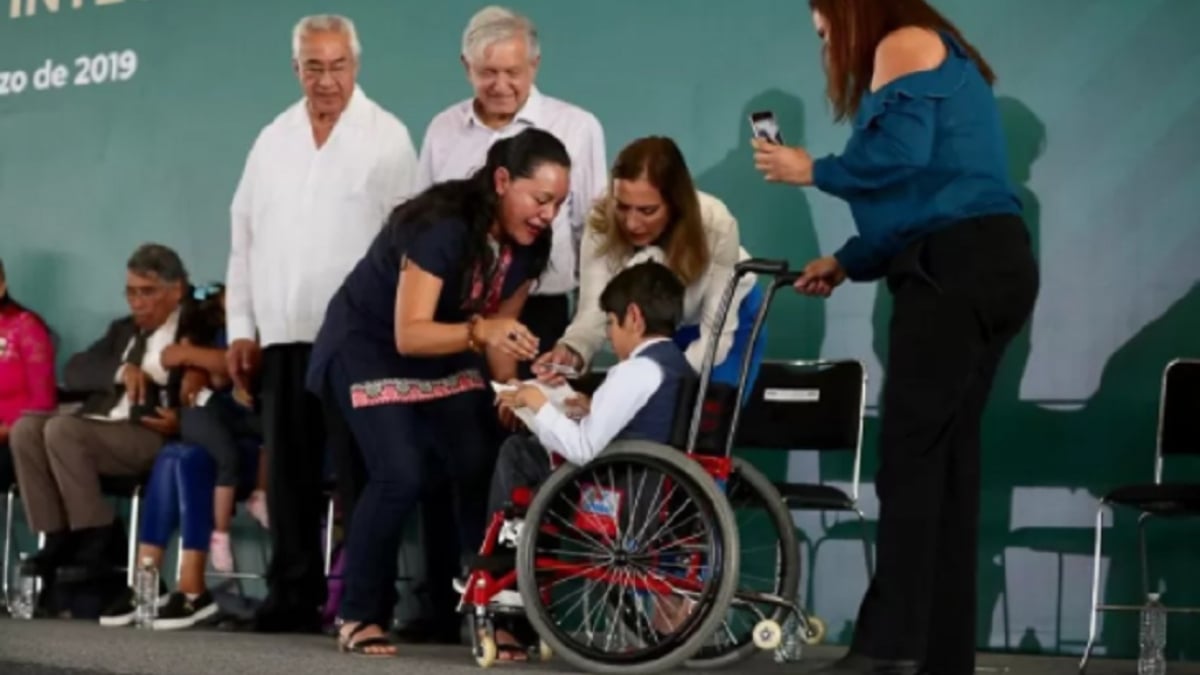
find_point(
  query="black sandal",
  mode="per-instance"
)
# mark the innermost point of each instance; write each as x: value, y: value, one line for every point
x: 347, y: 644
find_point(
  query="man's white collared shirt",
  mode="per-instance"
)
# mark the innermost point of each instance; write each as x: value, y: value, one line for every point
x: 456, y: 145
x: 303, y: 216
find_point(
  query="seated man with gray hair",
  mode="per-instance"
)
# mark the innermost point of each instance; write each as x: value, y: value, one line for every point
x: 130, y: 409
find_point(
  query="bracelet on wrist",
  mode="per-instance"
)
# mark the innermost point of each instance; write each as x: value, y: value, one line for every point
x: 472, y: 344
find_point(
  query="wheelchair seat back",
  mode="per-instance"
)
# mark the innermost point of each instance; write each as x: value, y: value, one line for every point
x: 716, y: 416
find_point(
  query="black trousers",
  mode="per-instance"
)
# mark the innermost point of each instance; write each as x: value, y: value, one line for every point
x: 401, y: 445
x: 959, y: 297
x: 521, y: 462
x: 216, y: 427
x: 547, y: 317
x: 294, y: 435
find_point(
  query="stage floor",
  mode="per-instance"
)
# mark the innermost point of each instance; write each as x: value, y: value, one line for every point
x: 49, y: 647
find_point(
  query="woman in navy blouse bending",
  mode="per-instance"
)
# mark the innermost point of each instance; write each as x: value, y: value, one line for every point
x: 924, y: 175
x: 409, y: 342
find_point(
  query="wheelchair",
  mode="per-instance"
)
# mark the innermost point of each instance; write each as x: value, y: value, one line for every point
x: 635, y: 562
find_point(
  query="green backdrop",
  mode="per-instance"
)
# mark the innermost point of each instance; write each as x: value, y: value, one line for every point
x: 1099, y: 101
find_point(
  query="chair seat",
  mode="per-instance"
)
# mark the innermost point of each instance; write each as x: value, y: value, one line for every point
x: 811, y: 496
x: 1165, y: 499
x: 122, y: 486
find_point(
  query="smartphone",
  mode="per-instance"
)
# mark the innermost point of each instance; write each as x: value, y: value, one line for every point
x: 765, y: 126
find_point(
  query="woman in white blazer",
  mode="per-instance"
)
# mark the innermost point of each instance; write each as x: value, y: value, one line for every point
x: 652, y: 211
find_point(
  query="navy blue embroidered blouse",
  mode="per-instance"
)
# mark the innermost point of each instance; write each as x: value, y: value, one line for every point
x: 359, y: 324
x: 927, y: 150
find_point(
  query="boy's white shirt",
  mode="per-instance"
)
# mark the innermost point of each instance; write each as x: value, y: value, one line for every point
x: 625, y: 390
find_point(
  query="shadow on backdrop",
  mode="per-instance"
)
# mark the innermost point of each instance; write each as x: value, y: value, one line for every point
x: 1034, y: 454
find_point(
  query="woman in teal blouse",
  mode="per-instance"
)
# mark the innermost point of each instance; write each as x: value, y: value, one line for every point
x: 924, y: 175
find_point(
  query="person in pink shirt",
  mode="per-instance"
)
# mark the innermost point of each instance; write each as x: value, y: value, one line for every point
x: 26, y: 370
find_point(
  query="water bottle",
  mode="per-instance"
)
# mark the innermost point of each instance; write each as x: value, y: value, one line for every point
x: 790, y: 646
x: 1153, y: 637
x: 145, y: 594
x: 24, y: 602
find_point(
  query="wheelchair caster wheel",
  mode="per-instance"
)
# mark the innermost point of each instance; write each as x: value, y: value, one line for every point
x: 815, y: 633
x: 544, y: 651
x: 487, y: 652
x: 767, y: 634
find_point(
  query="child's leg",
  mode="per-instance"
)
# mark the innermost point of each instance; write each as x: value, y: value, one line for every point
x: 523, y: 462
x: 256, y: 503
x: 210, y: 428
x: 223, y: 498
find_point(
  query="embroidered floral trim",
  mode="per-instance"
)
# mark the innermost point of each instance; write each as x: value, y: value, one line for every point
x: 488, y: 303
x: 412, y: 390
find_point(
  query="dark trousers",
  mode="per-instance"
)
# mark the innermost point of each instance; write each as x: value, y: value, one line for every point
x: 350, y: 472
x: 401, y: 445
x: 547, y: 317
x: 216, y: 427
x: 294, y: 436
x: 522, y: 462
x: 959, y: 297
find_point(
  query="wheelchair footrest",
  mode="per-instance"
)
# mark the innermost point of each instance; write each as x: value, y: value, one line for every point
x: 497, y: 562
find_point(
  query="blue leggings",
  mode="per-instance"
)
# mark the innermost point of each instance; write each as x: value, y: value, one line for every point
x: 180, y: 494
x: 726, y: 372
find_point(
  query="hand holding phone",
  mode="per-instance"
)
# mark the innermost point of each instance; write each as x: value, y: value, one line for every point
x: 765, y: 126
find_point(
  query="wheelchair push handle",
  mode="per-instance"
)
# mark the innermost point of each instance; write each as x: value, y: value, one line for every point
x: 781, y: 275
x: 761, y: 266
x: 779, y: 270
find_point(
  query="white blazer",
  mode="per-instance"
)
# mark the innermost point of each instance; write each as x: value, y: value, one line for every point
x: 701, y: 302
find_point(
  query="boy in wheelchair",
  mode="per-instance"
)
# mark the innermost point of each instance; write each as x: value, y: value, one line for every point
x: 637, y: 399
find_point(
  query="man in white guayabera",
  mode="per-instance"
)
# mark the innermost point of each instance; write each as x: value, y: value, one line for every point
x: 316, y: 188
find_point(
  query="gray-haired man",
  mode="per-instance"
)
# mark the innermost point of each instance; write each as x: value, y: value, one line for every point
x: 130, y: 408
x: 501, y: 55
x: 316, y: 189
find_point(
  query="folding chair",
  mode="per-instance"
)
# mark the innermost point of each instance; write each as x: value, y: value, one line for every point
x: 131, y: 488
x: 10, y: 504
x: 811, y: 405
x: 121, y: 487
x: 1178, y: 435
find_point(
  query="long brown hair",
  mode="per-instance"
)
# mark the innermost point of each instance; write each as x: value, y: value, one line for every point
x: 856, y: 27
x: 658, y: 160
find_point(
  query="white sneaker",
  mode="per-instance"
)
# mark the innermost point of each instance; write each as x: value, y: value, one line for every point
x: 510, y: 532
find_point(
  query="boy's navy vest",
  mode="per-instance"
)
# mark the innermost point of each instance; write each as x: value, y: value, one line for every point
x: 655, y: 420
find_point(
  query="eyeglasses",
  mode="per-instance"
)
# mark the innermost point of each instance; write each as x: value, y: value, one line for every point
x: 315, y: 71
x: 142, y: 292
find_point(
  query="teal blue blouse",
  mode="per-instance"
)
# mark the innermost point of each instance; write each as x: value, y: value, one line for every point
x: 927, y: 151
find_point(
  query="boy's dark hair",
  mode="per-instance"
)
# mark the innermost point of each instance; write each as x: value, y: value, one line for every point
x: 654, y: 288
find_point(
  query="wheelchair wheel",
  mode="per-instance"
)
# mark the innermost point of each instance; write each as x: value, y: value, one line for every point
x: 769, y: 564
x: 628, y: 564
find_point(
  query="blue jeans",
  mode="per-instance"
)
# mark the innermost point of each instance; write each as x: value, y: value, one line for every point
x: 180, y: 494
